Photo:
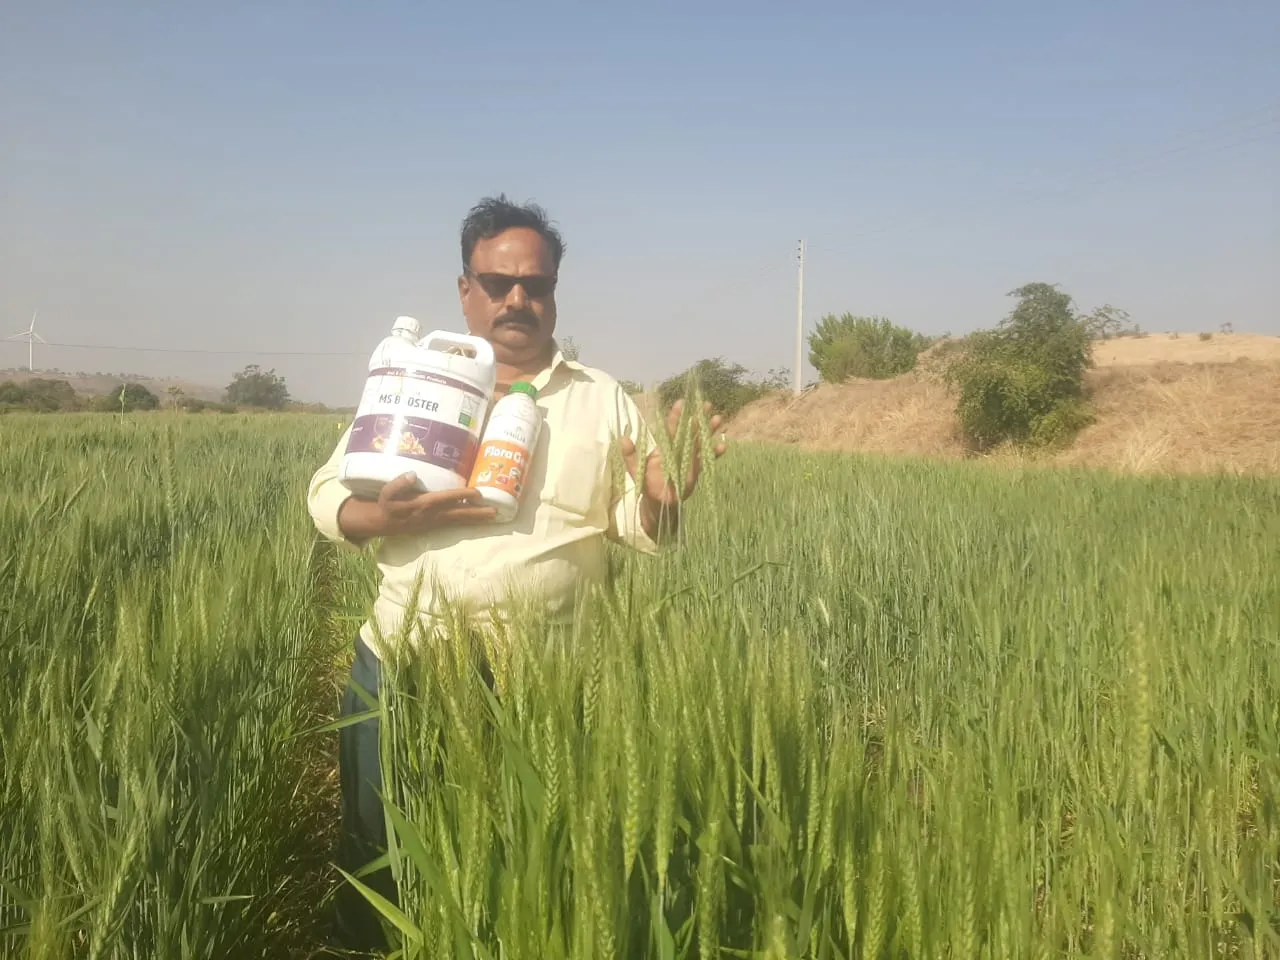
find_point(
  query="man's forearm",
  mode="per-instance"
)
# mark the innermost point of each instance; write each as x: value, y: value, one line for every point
x: 361, y: 520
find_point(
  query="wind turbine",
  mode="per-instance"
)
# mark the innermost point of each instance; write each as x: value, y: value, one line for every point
x: 32, y: 338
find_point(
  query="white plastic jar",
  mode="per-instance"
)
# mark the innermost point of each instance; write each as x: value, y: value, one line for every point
x: 422, y: 411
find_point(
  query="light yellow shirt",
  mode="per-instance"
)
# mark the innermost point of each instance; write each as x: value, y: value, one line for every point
x: 556, y: 543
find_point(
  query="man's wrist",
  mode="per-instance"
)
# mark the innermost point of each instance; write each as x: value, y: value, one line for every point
x: 362, y: 520
x: 659, y: 518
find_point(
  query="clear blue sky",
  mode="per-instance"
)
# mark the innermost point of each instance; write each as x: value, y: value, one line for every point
x: 288, y: 176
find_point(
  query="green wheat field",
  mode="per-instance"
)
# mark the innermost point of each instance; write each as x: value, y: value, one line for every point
x: 870, y: 709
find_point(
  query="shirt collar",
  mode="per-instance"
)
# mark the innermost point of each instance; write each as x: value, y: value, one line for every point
x: 558, y: 360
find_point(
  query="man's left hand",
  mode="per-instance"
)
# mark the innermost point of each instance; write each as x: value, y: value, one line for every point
x: 658, y: 492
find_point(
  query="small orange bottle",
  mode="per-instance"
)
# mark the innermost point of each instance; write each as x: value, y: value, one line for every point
x: 506, y: 450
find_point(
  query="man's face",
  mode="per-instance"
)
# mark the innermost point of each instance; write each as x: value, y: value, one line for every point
x: 518, y: 318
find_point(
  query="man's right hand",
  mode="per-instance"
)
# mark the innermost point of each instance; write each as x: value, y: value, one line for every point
x: 403, y: 509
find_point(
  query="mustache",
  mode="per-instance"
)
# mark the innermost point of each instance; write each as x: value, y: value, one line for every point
x: 517, y: 316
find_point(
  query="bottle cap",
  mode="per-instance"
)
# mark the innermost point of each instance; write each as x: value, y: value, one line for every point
x: 407, y: 323
x: 522, y: 386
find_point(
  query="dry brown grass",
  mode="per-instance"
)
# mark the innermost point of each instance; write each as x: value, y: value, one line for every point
x: 1186, y: 348
x: 1172, y: 417
x: 912, y: 414
x: 1163, y: 404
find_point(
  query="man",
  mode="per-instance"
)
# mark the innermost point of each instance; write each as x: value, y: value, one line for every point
x: 446, y: 546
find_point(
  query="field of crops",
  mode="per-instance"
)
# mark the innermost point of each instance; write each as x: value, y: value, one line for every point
x: 870, y: 709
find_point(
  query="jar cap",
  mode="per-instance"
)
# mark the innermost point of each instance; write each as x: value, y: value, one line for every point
x: 407, y: 324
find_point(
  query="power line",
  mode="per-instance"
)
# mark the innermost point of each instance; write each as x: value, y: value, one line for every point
x: 1239, y: 123
x: 713, y: 291
x: 1266, y: 120
x: 290, y: 354
x: 1270, y: 119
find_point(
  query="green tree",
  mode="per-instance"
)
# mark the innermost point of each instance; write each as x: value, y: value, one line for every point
x: 126, y: 398
x: 726, y: 385
x: 870, y: 347
x: 779, y: 378
x: 631, y: 387
x: 255, y: 387
x: 1107, y: 322
x: 569, y: 348
x: 39, y: 395
x: 1024, y: 381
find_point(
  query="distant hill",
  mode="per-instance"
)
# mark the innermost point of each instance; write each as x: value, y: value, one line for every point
x: 101, y: 384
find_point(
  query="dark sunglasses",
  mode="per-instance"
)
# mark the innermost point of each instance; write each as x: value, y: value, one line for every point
x: 498, y: 285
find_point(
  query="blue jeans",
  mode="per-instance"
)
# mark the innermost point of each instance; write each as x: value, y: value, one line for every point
x: 364, y: 829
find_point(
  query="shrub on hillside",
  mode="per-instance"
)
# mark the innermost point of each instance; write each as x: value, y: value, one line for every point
x: 127, y: 398
x: 726, y: 386
x: 569, y: 347
x: 1023, y: 382
x: 869, y: 347
x: 1108, y: 322
x: 38, y: 395
x: 195, y: 405
x: 255, y: 387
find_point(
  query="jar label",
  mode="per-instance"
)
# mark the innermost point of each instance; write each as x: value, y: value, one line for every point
x: 419, y: 415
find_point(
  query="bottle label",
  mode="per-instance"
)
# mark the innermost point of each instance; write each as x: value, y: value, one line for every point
x: 503, y: 460
x: 419, y: 415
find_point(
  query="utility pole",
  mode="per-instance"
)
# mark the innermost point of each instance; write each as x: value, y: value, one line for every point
x: 798, y: 374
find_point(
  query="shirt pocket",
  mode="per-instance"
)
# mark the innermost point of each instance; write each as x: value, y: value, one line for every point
x: 576, y: 479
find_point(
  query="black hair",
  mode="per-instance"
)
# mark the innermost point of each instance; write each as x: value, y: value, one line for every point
x: 493, y: 215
